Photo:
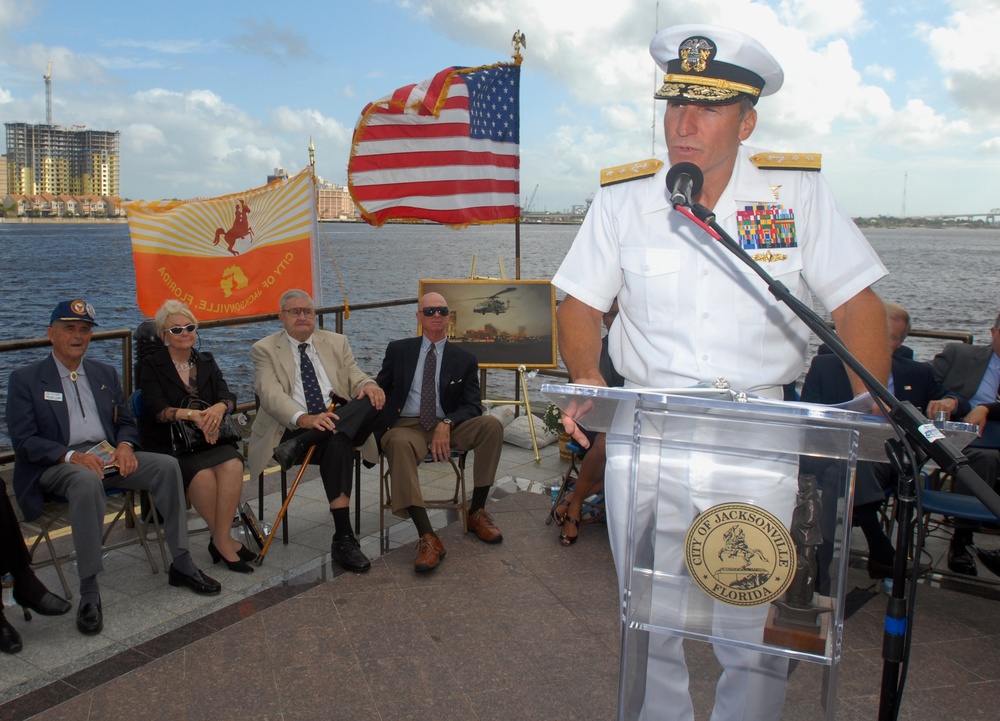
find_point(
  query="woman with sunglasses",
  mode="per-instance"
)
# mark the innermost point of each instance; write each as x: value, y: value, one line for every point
x: 170, y: 379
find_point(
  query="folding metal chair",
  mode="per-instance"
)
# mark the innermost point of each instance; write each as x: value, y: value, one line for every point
x: 56, y: 508
x: 455, y: 502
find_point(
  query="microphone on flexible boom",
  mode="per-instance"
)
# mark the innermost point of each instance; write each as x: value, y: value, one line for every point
x: 684, y: 180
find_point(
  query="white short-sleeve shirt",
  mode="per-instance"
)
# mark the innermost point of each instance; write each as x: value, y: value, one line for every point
x: 690, y: 311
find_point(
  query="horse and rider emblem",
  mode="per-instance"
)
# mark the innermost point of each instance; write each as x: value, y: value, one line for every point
x: 740, y: 554
x: 238, y: 230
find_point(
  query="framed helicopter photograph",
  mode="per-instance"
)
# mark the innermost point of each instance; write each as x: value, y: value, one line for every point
x: 505, y: 323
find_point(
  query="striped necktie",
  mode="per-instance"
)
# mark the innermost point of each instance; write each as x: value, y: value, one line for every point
x: 310, y: 383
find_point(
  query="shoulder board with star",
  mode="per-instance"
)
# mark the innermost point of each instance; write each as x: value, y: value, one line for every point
x: 787, y: 161
x: 630, y: 171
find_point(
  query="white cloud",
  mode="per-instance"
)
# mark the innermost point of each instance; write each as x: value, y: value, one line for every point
x: 821, y: 18
x: 967, y: 51
x: 919, y: 126
x: 266, y: 38
x: 991, y: 146
x: 311, y: 122
x: 880, y: 72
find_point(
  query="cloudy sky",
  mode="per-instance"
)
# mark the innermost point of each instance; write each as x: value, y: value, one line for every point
x: 900, y: 96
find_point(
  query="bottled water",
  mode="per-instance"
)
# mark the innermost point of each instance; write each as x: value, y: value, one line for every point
x: 8, y: 590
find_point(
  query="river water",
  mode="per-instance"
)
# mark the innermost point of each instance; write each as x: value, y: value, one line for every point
x: 946, y: 278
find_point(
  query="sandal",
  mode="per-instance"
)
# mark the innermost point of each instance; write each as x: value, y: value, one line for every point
x: 565, y: 539
x: 560, y: 513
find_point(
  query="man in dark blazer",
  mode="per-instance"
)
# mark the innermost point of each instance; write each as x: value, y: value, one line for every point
x: 963, y: 368
x: 448, y: 417
x: 59, y: 410
x: 974, y: 372
x: 827, y: 382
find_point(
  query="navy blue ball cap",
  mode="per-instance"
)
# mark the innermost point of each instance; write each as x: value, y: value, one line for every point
x: 73, y: 310
x: 713, y: 65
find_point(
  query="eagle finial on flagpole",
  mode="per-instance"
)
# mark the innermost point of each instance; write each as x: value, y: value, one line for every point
x: 518, y: 42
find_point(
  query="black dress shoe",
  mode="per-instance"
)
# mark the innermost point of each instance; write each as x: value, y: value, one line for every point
x: 990, y: 559
x: 48, y: 604
x: 90, y: 618
x: 10, y: 639
x: 197, y: 582
x: 877, y: 569
x: 287, y: 453
x: 960, y: 560
x: 885, y: 570
x: 347, y: 553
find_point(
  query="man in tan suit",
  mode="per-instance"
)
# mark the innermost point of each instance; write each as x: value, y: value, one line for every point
x: 297, y: 371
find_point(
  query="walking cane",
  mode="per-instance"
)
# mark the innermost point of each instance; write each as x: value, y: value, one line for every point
x: 291, y: 492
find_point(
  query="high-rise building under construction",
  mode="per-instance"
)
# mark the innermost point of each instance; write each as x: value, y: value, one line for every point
x: 62, y: 161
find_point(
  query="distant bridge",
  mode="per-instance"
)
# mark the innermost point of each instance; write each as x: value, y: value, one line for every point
x: 990, y: 218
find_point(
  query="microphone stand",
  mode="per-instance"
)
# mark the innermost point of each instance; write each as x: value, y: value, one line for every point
x: 910, y: 424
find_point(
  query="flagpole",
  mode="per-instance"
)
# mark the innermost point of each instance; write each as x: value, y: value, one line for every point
x: 518, y: 42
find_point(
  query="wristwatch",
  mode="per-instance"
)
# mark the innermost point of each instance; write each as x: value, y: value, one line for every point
x: 448, y: 422
x: 130, y: 444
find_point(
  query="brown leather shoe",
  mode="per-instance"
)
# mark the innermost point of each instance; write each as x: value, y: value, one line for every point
x: 481, y: 523
x: 430, y: 551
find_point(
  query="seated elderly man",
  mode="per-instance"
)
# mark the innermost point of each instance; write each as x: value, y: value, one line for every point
x: 432, y: 402
x: 827, y: 382
x: 296, y: 371
x: 974, y: 372
x: 73, y: 436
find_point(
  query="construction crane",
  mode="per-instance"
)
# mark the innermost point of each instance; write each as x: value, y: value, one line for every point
x: 48, y: 94
x: 531, y: 201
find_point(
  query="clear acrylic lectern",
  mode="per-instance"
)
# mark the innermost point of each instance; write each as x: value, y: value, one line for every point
x: 736, y: 508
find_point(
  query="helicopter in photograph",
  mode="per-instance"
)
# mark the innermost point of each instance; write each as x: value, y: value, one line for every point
x: 493, y: 304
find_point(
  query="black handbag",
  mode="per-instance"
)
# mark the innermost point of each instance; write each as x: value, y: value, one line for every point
x: 186, y: 437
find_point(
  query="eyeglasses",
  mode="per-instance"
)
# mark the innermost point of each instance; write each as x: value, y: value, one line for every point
x: 178, y: 329
x: 440, y: 310
x: 296, y: 312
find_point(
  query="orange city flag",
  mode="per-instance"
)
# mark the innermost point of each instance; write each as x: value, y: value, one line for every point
x: 228, y: 256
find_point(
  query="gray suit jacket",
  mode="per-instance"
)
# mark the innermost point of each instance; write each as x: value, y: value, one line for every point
x: 960, y: 367
x: 275, y: 370
x: 38, y: 422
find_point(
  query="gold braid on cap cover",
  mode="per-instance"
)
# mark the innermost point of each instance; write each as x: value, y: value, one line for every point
x: 695, y: 88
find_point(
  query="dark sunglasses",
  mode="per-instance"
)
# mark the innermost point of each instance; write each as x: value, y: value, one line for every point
x: 178, y: 329
x: 441, y: 310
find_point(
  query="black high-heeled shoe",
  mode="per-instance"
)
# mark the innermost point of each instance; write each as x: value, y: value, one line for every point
x: 240, y: 566
x: 246, y: 554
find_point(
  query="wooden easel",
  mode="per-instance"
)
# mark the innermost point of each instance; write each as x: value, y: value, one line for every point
x: 525, y: 402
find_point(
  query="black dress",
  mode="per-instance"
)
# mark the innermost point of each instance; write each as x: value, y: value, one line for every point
x: 163, y: 389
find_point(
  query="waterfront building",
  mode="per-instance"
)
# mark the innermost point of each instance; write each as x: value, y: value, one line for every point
x: 54, y: 160
x: 333, y: 202
x: 278, y: 174
x: 46, y: 205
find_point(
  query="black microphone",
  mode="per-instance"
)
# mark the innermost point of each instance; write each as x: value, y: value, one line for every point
x: 684, y: 180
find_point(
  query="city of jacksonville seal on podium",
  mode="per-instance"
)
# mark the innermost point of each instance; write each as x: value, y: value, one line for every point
x: 740, y: 554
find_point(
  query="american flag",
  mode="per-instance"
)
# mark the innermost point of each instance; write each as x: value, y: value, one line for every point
x: 444, y: 150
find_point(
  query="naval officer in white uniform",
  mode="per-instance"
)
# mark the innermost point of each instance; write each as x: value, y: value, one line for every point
x: 691, y: 313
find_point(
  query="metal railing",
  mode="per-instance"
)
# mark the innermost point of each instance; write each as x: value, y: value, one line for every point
x: 336, y: 313
x: 325, y: 316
